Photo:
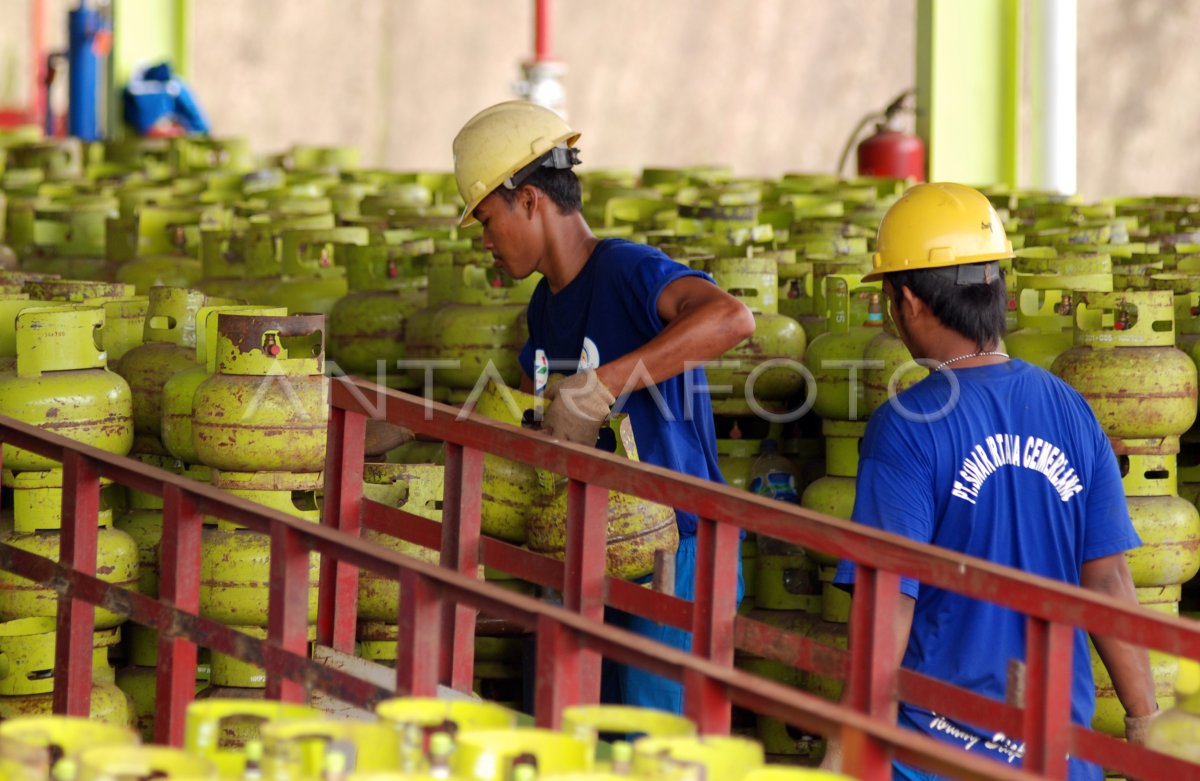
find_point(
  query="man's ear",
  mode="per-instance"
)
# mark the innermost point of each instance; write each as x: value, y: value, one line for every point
x: 527, y: 198
x: 914, y: 306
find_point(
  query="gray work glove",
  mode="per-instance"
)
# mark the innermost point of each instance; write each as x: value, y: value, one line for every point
x: 579, y: 406
x: 1137, y: 727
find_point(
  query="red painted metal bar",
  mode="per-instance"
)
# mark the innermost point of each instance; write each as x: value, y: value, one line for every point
x: 76, y: 617
x: 179, y: 587
x: 460, y: 551
x: 583, y: 578
x: 717, y: 548
x: 337, y: 609
x: 287, y: 616
x: 543, y: 30
x: 1049, y: 648
x: 874, y: 661
x: 419, y: 630
x: 559, y: 668
x: 532, y: 567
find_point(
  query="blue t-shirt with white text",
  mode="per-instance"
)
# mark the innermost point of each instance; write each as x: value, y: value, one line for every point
x: 1006, y: 463
x: 607, y: 311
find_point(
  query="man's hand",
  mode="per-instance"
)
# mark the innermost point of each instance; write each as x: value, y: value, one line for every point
x: 579, y: 406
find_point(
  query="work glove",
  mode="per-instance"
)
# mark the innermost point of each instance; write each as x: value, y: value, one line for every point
x: 1137, y: 727
x: 381, y: 436
x: 579, y: 406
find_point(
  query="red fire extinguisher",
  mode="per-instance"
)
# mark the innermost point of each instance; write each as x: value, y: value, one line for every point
x: 890, y: 150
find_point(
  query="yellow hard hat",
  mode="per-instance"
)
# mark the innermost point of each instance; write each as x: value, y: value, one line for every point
x: 938, y: 225
x: 503, y: 144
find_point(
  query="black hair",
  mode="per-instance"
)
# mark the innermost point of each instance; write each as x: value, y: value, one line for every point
x: 560, y: 185
x: 978, y: 311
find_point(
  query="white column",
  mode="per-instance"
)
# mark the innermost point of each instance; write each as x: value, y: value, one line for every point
x: 1052, y: 61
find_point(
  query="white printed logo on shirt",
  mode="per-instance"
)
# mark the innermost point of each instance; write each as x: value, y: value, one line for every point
x: 1045, y: 458
x: 589, y: 356
x: 541, y: 371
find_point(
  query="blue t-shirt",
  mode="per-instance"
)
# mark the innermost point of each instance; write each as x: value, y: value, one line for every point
x: 1006, y: 463
x: 611, y: 309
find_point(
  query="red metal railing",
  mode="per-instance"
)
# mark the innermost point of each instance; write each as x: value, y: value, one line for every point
x: 438, y: 604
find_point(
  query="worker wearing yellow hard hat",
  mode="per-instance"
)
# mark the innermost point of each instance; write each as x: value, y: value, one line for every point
x: 626, y: 326
x: 990, y: 457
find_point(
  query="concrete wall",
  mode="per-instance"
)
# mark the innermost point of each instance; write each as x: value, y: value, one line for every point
x: 766, y: 86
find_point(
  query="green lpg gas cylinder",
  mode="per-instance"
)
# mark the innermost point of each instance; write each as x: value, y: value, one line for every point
x: 143, y: 522
x: 387, y: 281
x: 1044, y: 292
x: 30, y: 746
x: 508, y: 486
x: 1168, y: 525
x: 60, y: 383
x: 587, y: 722
x: 716, y: 756
x: 769, y: 359
x: 780, y: 738
x: 716, y: 210
x: 48, y: 288
x: 218, y: 729
x: 169, y: 347
x: 793, y: 774
x: 795, y: 289
x: 68, y: 238
x: 235, y: 565
x: 267, y: 406
x: 108, y: 763
x: 59, y: 158
x: 1127, y: 367
x: 1187, y: 324
x: 417, y: 720
x: 413, y: 488
x: 475, y: 318
x: 37, y: 523
x: 180, y: 389
x: 491, y: 755
x: 297, y: 749
x: 835, y: 357
x: 1176, y: 732
x: 124, y: 324
x: 833, y: 494
x: 312, y: 281
x: 637, y: 528
x: 890, y: 366
x: 28, y: 687
x: 834, y: 634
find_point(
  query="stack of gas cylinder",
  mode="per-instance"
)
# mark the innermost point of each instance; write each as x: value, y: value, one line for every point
x: 408, y: 739
x: 54, y: 374
x: 194, y: 253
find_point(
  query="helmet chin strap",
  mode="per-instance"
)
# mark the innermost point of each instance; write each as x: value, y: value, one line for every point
x: 971, y: 273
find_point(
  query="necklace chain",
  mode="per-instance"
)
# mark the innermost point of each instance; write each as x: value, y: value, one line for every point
x: 944, y: 364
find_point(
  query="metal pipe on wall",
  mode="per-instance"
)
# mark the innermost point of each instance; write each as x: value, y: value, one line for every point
x: 543, y: 30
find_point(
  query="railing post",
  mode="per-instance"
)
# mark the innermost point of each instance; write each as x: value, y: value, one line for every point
x: 874, y: 666
x: 179, y: 587
x: 1049, y: 648
x: 337, y: 610
x: 460, y: 552
x: 586, y: 561
x: 287, y: 618
x: 717, y: 551
x: 419, y: 637
x: 76, y: 617
x: 558, y: 678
